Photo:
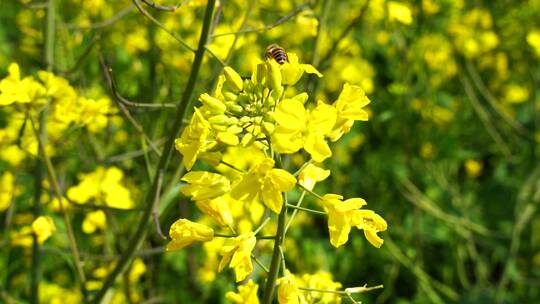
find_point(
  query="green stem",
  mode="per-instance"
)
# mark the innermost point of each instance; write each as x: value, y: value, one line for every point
x: 181, y: 111
x: 35, y: 272
x: 276, y: 255
x: 56, y: 188
x: 295, y: 211
x: 306, y: 209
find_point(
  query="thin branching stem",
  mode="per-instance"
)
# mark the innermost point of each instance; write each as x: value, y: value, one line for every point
x: 297, y: 10
x: 35, y: 270
x: 306, y: 209
x: 181, y: 111
x: 58, y: 193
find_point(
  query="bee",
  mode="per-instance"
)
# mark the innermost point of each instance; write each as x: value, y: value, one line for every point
x: 277, y: 52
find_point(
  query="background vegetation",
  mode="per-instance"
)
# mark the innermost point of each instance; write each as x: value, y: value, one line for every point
x: 449, y: 156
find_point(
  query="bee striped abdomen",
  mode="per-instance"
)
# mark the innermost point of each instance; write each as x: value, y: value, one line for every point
x: 277, y: 52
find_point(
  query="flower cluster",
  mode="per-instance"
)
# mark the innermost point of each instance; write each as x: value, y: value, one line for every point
x: 103, y: 186
x: 260, y: 116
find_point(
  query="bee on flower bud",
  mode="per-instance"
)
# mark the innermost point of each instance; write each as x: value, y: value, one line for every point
x: 277, y: 53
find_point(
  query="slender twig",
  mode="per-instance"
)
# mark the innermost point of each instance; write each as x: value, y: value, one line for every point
x: 295, y: 211
x: 132, y: 154
x: 306, y: 209
x: 160, y: 25
x: 123, y: 108
x: 415, y: 196
x: 278, y: 22
x: 168, y: 8
x: 261, y: 226
x: 428, y: 283
x: 56, y: 188
x: 309, y: 191
x: 260, y: 263
x: 98, y: 25
x: 335, y: 45
x: 530, y: 196
x: 312, y: 83
x: 35, y: 270
x: 217, y: 18
x: 127, y: 102
x: 484, y: 117
x: 171, y: 33
x: 181, y: 111
x: 83, y: 56
x: 155, y: 209
x: 484, y: 91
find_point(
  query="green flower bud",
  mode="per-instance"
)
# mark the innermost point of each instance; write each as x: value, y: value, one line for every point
x: 228, y: 138
x: 274, y: 75
x: 230, y: 96
x: 247, y: 140
x: 219, y: 120
x: 234, y: 81
x: 215, y: 105
x: 259, y: 74
x: 235, y: 130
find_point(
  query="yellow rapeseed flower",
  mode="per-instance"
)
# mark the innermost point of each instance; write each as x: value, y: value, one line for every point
x: 194, y: 139
x: 342, y: 215
x: 399, y: 12
x: 237, y: 253
x: 14, y: 89
x: 288, y: 292
x: 349, y: 106
x: 292, y: 70
x: 184, y: 232
x: 7, y: 184
x: 43, y: 227
x: 299, y: 128
x: 93, y: 221
x: 267, y: 181
x: 247, y: 294
x: 312, y: 174
x: 204, y: 185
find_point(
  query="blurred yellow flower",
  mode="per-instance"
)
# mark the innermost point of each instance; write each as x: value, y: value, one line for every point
x: 247, y: 294
x: 13, y: 89
x: 104, y: 185
x: 7, y: 184
x: 515, y: 93
x: 43, y: 227
x: 288, y: 292
x: 473, y: 168
x: 12, y: 154
x: 533, y: 39
x: 93, y: 221
x: 399, y: 12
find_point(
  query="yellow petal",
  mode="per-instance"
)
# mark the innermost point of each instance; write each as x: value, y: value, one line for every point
x: 290, y: 114
x: 317, y: 147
